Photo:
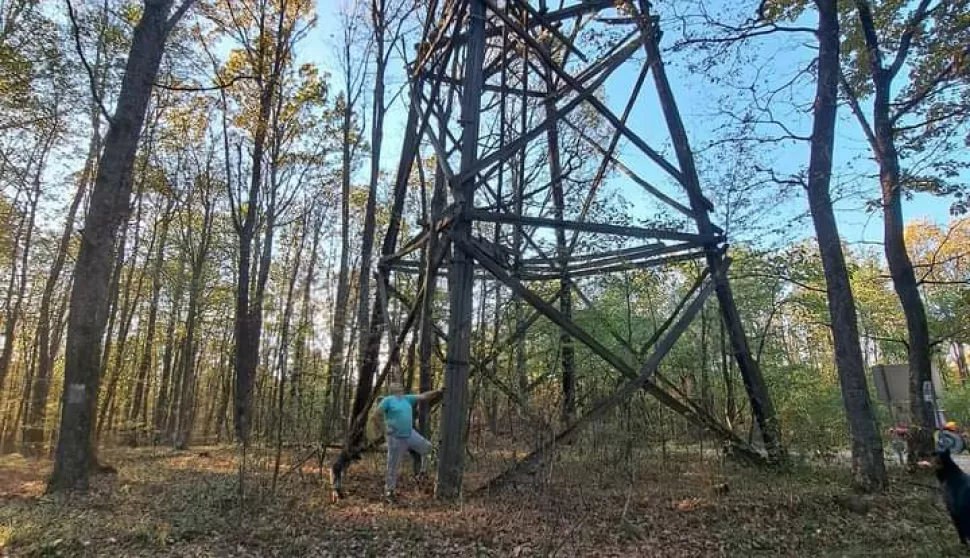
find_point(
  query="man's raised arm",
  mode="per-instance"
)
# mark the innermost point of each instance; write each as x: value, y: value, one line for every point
x: 431, y: 395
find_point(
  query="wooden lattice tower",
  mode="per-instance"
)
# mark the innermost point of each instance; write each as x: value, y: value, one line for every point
x: 492, y: 66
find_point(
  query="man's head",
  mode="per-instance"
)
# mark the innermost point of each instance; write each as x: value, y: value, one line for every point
x: 394, y: 387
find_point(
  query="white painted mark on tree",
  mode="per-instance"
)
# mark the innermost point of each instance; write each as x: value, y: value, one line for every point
x: 76, y: 394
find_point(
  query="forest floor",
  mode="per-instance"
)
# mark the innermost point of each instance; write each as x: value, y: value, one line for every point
x: 167, y: 503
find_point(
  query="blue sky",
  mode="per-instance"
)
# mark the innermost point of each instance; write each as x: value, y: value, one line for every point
x: 699, y: 101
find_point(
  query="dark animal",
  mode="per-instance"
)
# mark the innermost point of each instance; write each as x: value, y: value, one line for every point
x: 955, y: 485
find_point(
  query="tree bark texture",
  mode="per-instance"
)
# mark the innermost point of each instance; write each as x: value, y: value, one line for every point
x: 109, y: 207
x: 867, y: 460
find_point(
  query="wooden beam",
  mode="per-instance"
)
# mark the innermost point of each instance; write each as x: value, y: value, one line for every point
x: 632, y: 258
x: 605, y: 270
x: 604, y: 406
x: 487, y: 87
x: 598, y: 66
x: 583, y: 94
x: 596, y: 103
x: 663, y: 327
x: 536, y: 302
x: 620, y: 364
x: 419, y: 240
x: 461, y: 277
x: 636, y: 178
x: 608, y: 154
x: 599, y: 228
x: 553, y: 30
x: 754, y: 383
x: 577, y: 10
x: 589, y: 257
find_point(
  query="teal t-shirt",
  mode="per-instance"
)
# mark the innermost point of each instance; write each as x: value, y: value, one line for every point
x: 398, y: 414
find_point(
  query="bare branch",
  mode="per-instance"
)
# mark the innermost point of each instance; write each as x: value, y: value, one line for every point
x: 921, y: 95
x: 179, y: 12
x: 87, y: 67
x: 218, y: 86
x: 853, y: 100
x: 930, y: 121
x: 918, y: 17
x: 743, y: 34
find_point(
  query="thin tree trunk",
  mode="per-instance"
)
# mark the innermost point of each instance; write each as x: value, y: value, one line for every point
x: 960, y: 355
x: 128, y: 307
x: 371, y: 341
x: 148, y: 350
x: 284, y: 347
x: 196, y: 285
x: 426, y: 334
x: 882, y: 137
x: 305, y: 327
x: 867, y: 460
x: 338, y: 331
x: 226, y: 389
x: 37, y: 409
x: 562, y: 253
x: 365, y: 371
x: 731, y: 407
x: 163, y: 399
x: 114, y: 292
x: 249, y: 289
x: 8, y: 303
x: 33, y: 200
x: 215, y: 389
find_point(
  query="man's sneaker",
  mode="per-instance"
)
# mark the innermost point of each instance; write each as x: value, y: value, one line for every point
x: 390, y: 498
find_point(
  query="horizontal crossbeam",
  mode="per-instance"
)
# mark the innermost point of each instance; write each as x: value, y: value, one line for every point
x: 601, y: 228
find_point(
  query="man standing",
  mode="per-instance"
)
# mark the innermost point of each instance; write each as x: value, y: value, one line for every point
x: 396, y: 411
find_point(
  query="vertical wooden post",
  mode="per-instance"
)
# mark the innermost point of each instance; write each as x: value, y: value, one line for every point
x: 461, y: 276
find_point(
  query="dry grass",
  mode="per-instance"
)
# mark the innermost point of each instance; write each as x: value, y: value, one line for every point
x: 163, y: 503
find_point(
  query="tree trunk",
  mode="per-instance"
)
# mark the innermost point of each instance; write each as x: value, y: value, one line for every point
x: 305, y: 327
x: 371, y: 341
x: 283, y: 354
x: 731, y: 407
x: 8, y: 303
x: 562, y: 254
x: 163, y: 399
x: 13, y: 314
x: 109, y: 206
x: 225, y: 394
x: 37, y: 408
x: 127, y: 312
x: 249, y: 303
x: 148, y: 350
x: 897, y: 256
x: 114, y: 290
x: 338, y: 331
x: 960, y: 355
x: 867, y: 460
x: 426, y: 333
x: 907, y: 289
x: 255, y: 318
x: 196, y: 285
x: 365, y: 370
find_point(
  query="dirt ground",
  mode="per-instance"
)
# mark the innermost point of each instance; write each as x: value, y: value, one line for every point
x: 165, y: 503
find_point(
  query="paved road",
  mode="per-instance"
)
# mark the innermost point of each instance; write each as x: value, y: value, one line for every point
x: 962, y: 459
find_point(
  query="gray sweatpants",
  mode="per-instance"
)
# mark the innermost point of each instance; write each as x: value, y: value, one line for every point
x: 397, y: 448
